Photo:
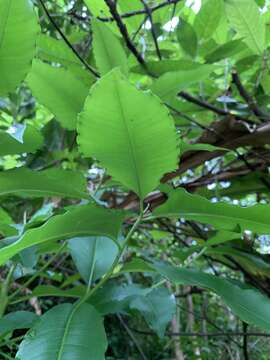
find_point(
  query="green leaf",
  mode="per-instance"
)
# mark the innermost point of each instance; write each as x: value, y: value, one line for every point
x: 80, y: 221
x: 108, y: 50
x: 246, y: 302
x: 51, y: 182
x: 59, y: 90
x: 98, y: 8
x: 17, y: 320
x: 225, y: 51
x: 66, y: 331
x: 32, y: 141
x: 18, y: 32
x: 208, y: 18
x: 221, y: 215
x: 187, y: 38
x: 54, y: 291
x: 51, y: 49
x: 171, y: 83
x: 93, y: 256
x: 125, y: 136
x: 159, y: 68
x: 5, y: 222
x: 114, y: 298
x: 245, y: 18
x: 57, y: 51
x: 136, y: 265
x: 222, y: 236
x: 158, y: 307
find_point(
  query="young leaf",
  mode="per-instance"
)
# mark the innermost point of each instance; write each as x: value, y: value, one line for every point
x: 246, y: 302
x: 18, y: 32
x: 81, y: 221
x: 221, y: 215
x: 208, y: 18
x: 59, y: 90
x: 245, y: 18
x: 168, y: 85
x: 158, y: 307
x: 51, y: 182
x: 187, y: 38
x: 108, y: 50
x: 126, y: 134
x: 66, y: 331
x: 93, y: 256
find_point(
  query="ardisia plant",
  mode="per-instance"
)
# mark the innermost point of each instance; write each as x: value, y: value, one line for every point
x: 134, y: 180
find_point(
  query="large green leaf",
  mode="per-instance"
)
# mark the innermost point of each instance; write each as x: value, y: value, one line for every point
x: 245, y: 18
x: 170, y: 84
x: 124, y: 129
x: 51, y: 182
x: 93, y: 256
x: 108, y: 50
x: 246, y: 302
x: 66, y: 332
x: 80, y: 221
x: 32, y: 141
x: 208, y: 18
x: 18, y: 32
x: 221, y: 215
x: 59, y: 90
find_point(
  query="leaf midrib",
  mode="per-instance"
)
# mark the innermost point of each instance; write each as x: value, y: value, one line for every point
x: 130, y: 142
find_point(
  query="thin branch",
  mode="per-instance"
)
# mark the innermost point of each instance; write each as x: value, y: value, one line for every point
x: 206, y: 105
x: 153, y: 32
x: 261, y: 115
x: 245, y: 341
x: 133, y: 338
x: 88, y: 67
x: 201, y: 334
x: 123, y: 30
x: 141, y: 11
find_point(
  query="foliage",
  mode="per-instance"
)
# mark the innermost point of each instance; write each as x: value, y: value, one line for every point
x: 134, y: 180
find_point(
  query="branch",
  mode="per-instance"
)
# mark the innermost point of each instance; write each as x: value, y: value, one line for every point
x: 201, y: 334
x: 131, y: 335
x: 123, y: 30
x: 245, y: 341
x: 248, y: 98
x: 154, y: 36
x: 208, y: 106
x: 63, y: 36
x: 141, y: 11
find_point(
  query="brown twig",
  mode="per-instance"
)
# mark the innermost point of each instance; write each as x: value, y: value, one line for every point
x: 123, y: 30
x: 206, y: 105
x: 153, y: 32
x: 63, y: 36
x: 261, y: 115
x: 141, y: 11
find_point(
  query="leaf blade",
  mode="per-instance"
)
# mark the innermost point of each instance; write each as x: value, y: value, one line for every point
x: 132, y: 137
